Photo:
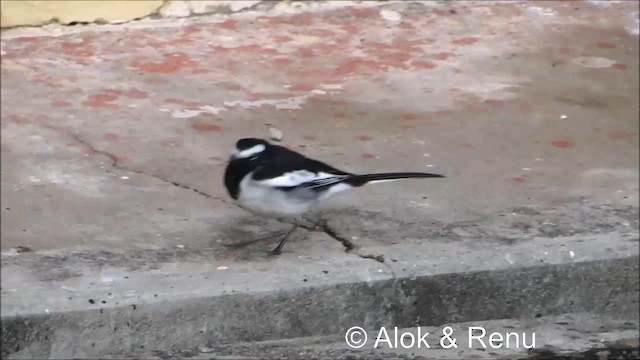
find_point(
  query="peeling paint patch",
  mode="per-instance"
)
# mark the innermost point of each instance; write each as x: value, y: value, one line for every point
x: 292, y: 103
x: 191, y: 113
x: 185, y: 114
x: 593, y: 62
x: 536, y: 10
x: 331, y: 86
x: 390, y: 15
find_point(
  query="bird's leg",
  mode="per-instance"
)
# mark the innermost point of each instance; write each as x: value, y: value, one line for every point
x: 278, y: 249
x: 249, y: 242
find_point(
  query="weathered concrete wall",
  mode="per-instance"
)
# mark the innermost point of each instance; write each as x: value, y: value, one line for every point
x: 35, y: 13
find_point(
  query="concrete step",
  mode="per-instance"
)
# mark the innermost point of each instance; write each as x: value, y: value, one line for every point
x: 186, y: 309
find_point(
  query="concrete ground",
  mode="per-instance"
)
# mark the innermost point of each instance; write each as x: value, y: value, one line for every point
x: 114, y: 141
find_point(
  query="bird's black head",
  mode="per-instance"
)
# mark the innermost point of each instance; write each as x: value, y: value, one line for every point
x: 249, y: 149
x: 248, y: 154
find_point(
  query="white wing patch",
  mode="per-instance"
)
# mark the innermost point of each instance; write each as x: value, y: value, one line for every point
x: 300, y: 177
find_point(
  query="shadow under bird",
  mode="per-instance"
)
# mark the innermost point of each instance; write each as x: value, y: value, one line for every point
x: 273, y: 181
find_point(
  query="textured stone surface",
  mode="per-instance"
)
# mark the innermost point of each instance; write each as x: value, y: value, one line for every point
x: 205, y: 7
x: 175, y: 9
x: 579, y: 336
x: 114, y: 142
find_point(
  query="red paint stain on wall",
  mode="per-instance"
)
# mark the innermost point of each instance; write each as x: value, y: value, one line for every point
x: 519, y: 179
x: 443, y: 112
x: 349, y: 28
x: 465, y: 41
x: 349, y: 66
x: 409, y: 116
x: 228, y: 24
x: 303, y: 18
x: 81, y: 49
x: 620, y: 135
x: 305, y: 52
x: 364, y: 138
x: 283, y: 61
x: 156, y: 81
x: 409, y: 45
x: 301, y: 87
x: 26, y: 39
x: 421, y: 64
x: 200, y: 71
x: 605, y: 45
x: 493, y: 102
x: 321, y: 33
x: 561, y: 143
x: 205, y: 127
x: 619, y: 66
x: 567, y: 51
x: 440, y: 12
x: 134, y: 93
x: 367, y: 156
x: 171, y: 63
x: 111, y: 137
x: 442, y: 56
x: 102, y: 99
x: 282, y: 38
x: 269, y: 51
x: 364, y: 12
x: 339, y: 115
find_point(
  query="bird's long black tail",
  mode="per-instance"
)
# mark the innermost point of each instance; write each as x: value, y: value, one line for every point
x: 359, y: 180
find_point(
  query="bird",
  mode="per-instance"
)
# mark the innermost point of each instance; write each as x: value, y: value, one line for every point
x: 276, y: 182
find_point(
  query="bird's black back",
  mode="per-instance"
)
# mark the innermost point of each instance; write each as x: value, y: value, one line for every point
x: 280, y: 160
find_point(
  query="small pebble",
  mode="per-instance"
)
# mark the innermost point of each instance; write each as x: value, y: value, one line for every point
x: 276, y: 135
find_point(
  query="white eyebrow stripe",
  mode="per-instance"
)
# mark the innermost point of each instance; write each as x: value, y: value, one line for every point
x: 249, y: 152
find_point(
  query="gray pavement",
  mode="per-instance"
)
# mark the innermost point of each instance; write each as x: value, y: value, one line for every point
x: 115, y: 222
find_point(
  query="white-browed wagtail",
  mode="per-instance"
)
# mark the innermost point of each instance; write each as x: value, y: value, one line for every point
x: 273, y: 181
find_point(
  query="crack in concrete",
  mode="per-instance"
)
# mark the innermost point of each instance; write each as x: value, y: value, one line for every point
x: 115, y: 163
x: 349, y: 247
x: 323, y: 226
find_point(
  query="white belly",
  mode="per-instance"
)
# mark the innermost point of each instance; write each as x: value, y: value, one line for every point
x: 267, y: 201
